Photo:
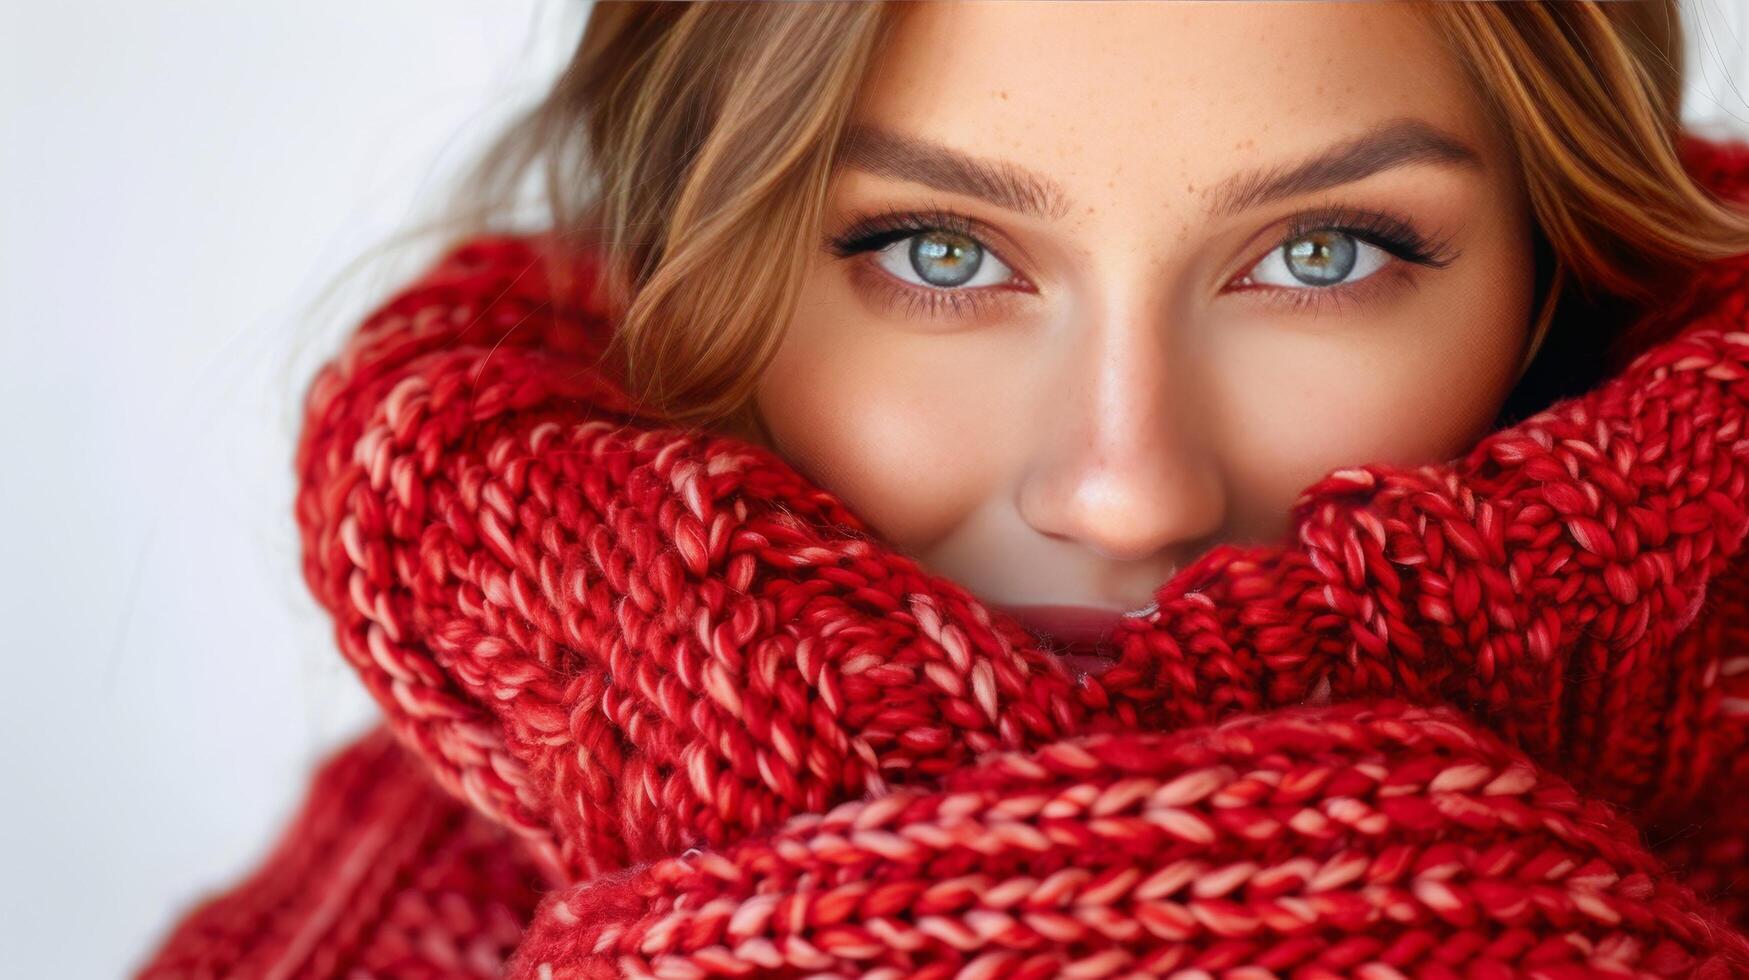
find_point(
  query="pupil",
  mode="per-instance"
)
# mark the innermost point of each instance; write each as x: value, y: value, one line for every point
x: 1321, y: 258
x: 945, y: 259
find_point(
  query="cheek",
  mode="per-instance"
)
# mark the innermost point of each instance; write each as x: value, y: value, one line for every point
x: 1418, y: 387
x: 867, y: 417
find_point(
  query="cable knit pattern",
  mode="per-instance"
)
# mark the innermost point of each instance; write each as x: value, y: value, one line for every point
x: 1481, y: 718
x: 1386, y: 841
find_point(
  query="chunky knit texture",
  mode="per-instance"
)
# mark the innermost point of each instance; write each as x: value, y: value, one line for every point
x: 655, y: 705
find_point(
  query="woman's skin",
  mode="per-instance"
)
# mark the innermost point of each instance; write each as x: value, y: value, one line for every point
x: 1138, y: 369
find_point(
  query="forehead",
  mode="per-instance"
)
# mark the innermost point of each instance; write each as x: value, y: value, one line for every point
x: 1165, y: 94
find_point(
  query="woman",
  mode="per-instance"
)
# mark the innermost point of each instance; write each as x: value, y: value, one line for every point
x: 926, y: 507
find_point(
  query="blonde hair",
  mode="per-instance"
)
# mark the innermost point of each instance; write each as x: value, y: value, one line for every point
x: 694, y: 142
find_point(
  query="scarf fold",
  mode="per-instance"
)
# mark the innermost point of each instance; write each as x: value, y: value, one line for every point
x: 1479, y: 718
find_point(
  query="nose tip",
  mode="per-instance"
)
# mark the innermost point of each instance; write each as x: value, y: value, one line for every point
x: 1121, y: 465
x: 1136, y: 511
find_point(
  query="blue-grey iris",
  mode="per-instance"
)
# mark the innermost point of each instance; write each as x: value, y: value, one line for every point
x: 1320, y: 258
x: 945, y: 259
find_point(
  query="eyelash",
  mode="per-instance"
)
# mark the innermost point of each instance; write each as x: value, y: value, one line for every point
x: 1396, y: 235
x: 873, y: 231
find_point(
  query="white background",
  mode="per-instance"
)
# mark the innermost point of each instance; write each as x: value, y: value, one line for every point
x: 178, y: 182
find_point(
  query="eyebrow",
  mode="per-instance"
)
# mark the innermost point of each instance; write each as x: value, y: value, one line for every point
x: 1395, y: 143
x: 920, y: 161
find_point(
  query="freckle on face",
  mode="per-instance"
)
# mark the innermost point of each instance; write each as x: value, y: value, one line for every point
x: 1127, y: 401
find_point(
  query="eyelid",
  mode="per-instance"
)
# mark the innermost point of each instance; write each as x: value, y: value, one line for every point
x: 933, y: 215
x: 897, y: 260
x: 1323, y: 300
x: 1369, y: 260
x: 893, y: 293
x: 1332, y: 214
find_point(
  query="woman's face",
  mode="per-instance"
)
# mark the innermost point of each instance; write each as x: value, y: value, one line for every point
x: 1101, y: 288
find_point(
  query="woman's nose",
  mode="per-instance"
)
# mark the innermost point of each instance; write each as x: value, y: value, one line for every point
x: 1123, y: 470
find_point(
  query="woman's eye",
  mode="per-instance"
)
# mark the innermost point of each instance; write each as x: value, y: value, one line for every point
x: 942, y: 259
x: 1326, y: 257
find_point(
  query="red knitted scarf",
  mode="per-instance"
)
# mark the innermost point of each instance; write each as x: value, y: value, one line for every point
x: 690, y: 717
